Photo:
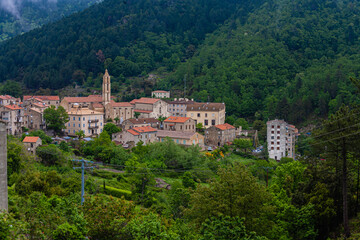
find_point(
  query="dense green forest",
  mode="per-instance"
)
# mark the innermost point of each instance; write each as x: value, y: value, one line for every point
x: 23, y: 16
x: 264, y: 59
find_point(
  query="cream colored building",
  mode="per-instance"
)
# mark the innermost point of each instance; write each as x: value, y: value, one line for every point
x: 13, y: 116
x: 84, y: 119
x: 209, y: 114
x: 181, y: 137
x: 160, y: 94
x: 150, y: 107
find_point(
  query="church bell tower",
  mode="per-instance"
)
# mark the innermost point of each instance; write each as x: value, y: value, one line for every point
x: 106, y: 88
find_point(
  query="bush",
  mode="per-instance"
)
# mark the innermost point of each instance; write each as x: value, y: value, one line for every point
x: 67, y: 231
x: 115, y: 192
x: 50, y: 155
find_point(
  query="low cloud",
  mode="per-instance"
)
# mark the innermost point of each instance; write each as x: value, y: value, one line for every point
x: 14, y: 6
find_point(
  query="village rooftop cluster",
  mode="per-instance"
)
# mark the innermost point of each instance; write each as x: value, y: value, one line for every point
x: 146, y: 119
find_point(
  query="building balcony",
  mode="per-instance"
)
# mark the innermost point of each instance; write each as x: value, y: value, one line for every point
x: 93, y: 127
x: 93, y: 121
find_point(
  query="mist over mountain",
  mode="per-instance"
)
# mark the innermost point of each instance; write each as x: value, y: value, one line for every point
x: 19, y: 16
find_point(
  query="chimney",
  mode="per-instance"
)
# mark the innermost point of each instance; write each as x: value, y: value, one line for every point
x: 3, y: 168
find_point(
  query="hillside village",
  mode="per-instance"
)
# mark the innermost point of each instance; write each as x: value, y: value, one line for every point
x: 147, y: 120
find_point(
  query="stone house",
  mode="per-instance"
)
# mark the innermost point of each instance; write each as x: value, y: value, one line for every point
x: 13, y: 116
x: 31, y: 143
x: 48, y: 100
x: 121, y: 110
x: 219, y: 135
x: 150, y: 107
x: 209, y: 114
x: 180, y: 124
x: 141, y: 122
x: 134, y: 135
x: 8, y: 100
x: 182, y: 137
x: 177, y: 107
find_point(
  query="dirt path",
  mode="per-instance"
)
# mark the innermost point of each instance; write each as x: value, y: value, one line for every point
x: 160, y: 183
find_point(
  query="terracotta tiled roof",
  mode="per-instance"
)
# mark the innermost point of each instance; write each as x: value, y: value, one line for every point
x: 145, y: 100
x: 47, y: 98
x: 133, y: 132
x: 6, y: 97
x: 97, y: 105
x: 142, y: 111
x: 40, y: 105
x: 177, y: 119
x: 133, y: 101
x: 144, y: 129
x: 160, y: 91
x: 30, y: 139
x: 83, y: 99
x: 175, y: 134
x: 143, y: 120
x: 205, y: 107
x: 13, y: 107
x: 121, y: 104
x: 225, y: 126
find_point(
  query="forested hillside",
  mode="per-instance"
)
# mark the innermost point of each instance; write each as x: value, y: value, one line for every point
x: 132, y: 36
x: 23, y: 16
x: 290, y: 59
x: 264, y: 59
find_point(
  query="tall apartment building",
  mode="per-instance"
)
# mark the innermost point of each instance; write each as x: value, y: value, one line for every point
x: 160, y: 94
x: 281, y: 138
x: 86, y: 120
x: 13, y: 116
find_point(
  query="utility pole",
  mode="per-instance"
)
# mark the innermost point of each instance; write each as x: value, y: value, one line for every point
x: 3, y: 168
x: 83, y: 167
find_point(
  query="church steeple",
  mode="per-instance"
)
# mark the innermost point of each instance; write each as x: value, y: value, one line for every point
x: 106, y: 88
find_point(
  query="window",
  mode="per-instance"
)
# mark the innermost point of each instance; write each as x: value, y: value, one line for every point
x: 69, y: 130
x: 205, y: 114
x: 84, y: 125
x: 272, y: 137
x: 177, y: 140
x: 194, y: 141
x: 278, y: 132
x: 277, y: 148
x: 272, y: 132
x: 278, y: 143
x: 89, y: 131
x: 74, y: 131
x: 184, y: 142
x: 272, y: 143
x: 69, y: 124
x: 272, y: 148
x: 278, y: 126
x: 79, y: 118
x: 79, y: 124
x: 192, y: 115
x: 74, y: 118
x: 278, y: 137
x: 213, y: 122
x: 206, y: 122
x: 83, y: 118
x: 213, y: 115
x: 74, y: 125
x: 272, y: 126
x: 198, y: 114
